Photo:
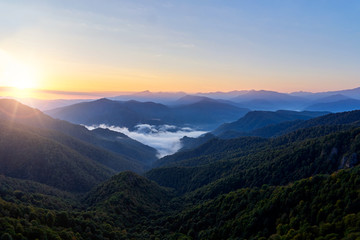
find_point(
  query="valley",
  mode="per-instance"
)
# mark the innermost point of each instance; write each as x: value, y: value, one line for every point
x: 261, y: 175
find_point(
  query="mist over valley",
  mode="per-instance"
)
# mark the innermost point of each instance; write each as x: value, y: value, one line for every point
x: 164, y: 138
x: 179, y: 120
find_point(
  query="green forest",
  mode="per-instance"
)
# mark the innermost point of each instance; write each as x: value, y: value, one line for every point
x: 319, y: 207
x: 301, y: 184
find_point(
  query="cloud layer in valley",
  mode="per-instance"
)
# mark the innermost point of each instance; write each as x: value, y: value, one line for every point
x: 164, y: 138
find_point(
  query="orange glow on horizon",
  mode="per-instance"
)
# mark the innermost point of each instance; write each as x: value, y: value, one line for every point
x: 59, y: 80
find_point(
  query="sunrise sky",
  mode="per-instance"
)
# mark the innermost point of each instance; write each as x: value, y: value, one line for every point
x: 115, y: 45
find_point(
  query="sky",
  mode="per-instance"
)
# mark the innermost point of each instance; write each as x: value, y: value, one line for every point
x: 191, y: 46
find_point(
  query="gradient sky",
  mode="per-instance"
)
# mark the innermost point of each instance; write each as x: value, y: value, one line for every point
x: 115, y: 45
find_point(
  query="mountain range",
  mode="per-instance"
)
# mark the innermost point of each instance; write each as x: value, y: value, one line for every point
x: 251, y: 99
x: 205, y: 113
x: 258, y: 119
x: 266, y: 175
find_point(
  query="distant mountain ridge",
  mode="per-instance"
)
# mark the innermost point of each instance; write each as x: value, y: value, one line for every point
x: 258, y: 119
x: 251, y: 99
x: 264, y: 124
x: 201, y: 113
x: 346, y: 104
x: 351, y: 93
x: 191, y: 99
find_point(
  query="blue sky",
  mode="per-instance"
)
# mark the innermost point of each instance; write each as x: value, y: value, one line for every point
x: 185, y: 45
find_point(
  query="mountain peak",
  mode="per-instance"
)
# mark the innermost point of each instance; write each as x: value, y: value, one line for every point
x: 190, y: 99
x: 103, y: 100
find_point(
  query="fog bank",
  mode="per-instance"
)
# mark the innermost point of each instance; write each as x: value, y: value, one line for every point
x: 164, y: 138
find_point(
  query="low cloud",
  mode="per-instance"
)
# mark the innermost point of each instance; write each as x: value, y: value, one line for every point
x: 164, y: 138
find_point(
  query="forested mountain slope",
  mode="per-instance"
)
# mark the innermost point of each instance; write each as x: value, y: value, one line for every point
x: 124, y: 147
x: 273, y: 130
x: 26, y: 155
x: 275, y: 162
x: 258, y: 119
x: 320, y: 207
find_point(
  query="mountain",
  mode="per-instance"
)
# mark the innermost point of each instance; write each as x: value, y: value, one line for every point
x: 272, y: 101
x: 189, y: 142
x: 202, y: 114
x: 269, y: 100
x: 219, y: 157
x: 127, y: 196
x: 250, y: 213
x: 319, y: 207
x: 36, y: 194
x: 102, y: 111
x: 262, y: 94
x: 222, y: 95
x: 124, y: 146
x: 44, y: 105
x: 295, y: 99
x: 207, y: 113
x: 336, y: 106
x: 336, y: 121
x: 147, y: 96
x: 301, y: 185
x: 251, y: 99
x: 330, y: 122
x: 258, y: 119
x: 332, y: 98
x: 130, y: 151
x: 191, y: 99
x: 211, y: 151
x: 350, y: 93
x: 226, y: 165
x: 116, y: 162
x: 58, y: 180
x: 26, y: 155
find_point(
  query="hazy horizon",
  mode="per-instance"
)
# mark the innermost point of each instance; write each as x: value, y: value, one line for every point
x: 18, y: 93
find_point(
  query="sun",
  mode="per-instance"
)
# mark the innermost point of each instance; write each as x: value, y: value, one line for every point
x: 16, y: 74
x: 20, y: 76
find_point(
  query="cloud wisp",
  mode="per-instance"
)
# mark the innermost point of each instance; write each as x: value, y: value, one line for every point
x: 164, y: 138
